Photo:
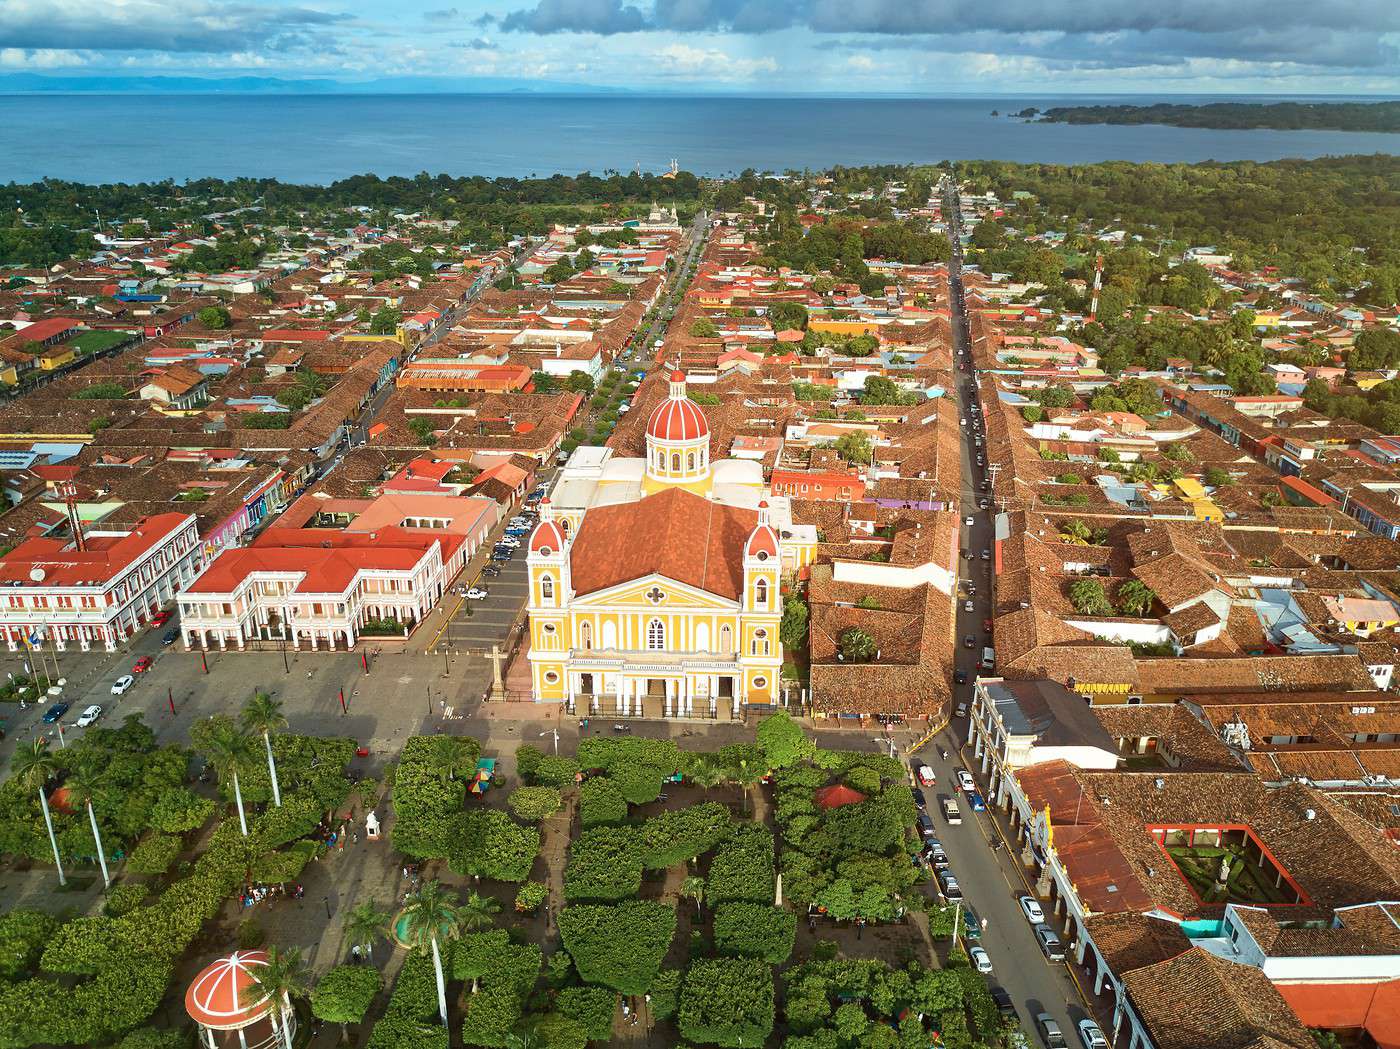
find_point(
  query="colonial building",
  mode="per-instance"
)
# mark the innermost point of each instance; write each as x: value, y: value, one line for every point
x: 657, y: 591
x: 100, y: 590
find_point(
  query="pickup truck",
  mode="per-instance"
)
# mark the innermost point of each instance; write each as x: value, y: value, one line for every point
x: 951, y: 812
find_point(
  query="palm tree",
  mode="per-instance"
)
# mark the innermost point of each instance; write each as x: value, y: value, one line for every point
x: 263, y: 715
x: 478, y: 912
x: 693, y: 888
x: 280, y: 980
x: 225, y: 747
x: 431, y: 914
x: 704, y: 773
x: 747, y: 775
x: 448, y: 756
x: 526, y: 1036
x: 366, y: 924
x: 83, y: 789
x: 34, y: 767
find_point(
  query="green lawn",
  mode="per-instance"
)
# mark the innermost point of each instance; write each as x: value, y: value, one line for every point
x: 96, y: 341
x: 1200, y: 866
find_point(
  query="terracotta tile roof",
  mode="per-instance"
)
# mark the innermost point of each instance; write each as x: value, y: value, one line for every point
x: 1130, y: 941
x: 1198, y: 1001
x: 674, y: 533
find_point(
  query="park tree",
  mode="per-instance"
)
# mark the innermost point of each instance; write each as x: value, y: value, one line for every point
x: 84, y: 789
x: 34, y: 766
x: 430, y: 917
x: 281, y: 980
x: 704, y: 328
x: 366, y: 925
x: 263, y: 715
x: 782, y: 740
x: 727, y: 1002
x: 344, y: 995
x: 788, y: 316
x: 1217, y: 477
x: 619, y: 946
x: 226, y: 746
x: 533, y: 804
x: 580, y: 382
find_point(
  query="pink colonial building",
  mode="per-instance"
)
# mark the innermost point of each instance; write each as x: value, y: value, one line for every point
x: 97, y: 590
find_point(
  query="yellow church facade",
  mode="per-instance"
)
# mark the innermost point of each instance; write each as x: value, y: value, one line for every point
x: 666, y: 604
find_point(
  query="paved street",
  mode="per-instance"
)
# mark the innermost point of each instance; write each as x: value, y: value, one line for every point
x: 991, y: 880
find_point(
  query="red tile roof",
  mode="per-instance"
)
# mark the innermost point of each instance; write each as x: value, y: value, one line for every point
x: 674, y: 533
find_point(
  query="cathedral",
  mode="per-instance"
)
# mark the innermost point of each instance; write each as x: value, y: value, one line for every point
x: 655, y: 584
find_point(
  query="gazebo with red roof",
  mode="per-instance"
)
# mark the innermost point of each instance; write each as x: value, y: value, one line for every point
x: 230, y: 1009
x: 837, y: 795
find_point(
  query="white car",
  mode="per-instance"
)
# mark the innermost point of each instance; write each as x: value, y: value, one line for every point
x: 88, y: 716
x: 508, y: 540
x: 476, y: 593
x: 967, y: 606
x: 1091, y: 1035
x: 1030, y: 907
x: 122, y: 684
x: 965, y: 781
x: 981, y: 960
x: 968, y: 522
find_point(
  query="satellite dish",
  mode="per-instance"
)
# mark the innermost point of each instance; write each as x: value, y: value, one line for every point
x: 36, y: 574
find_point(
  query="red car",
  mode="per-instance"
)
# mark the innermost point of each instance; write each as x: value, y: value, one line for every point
x: 160, y: 619
x: 142, y: 665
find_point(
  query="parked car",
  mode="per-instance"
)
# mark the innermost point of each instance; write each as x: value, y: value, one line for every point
x: 477, y: 593
x: 55, y: 712
x: 969, y: 642
x: 926, y: 776
x: 965, y: 781
x: 972, y: 929
x: 1050, y: 944
x: 491, y: 571
x: 89, y: 716
x: 968, y: 521
x: 967, y: 606
x: 960, y: 677
x: 1050, y: 1032
x: 1004, y: 1004
x: 1091, y: 1035
x: 919, y: 798
x: 978, y: 803
x: 925, y: 825
x: 122, y: 684
x: 142, y: 665
x: 160, y: 618
x: 960, y: 711
x: 981, y: 960
x: 508, y: 540
x: 986, y: 555
x: 948, y: 882
x: 1030, y: 907
x: 518, y: 532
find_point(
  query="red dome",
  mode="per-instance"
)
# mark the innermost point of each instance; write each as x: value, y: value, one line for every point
x: 546, y: 539
x: 225, y: 996
x: 677, y: 419
x: 762, y: 541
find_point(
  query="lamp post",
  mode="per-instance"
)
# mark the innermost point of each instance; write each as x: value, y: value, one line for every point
x: 555, y: 733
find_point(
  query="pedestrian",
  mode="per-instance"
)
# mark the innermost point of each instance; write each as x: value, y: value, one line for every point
x: 355, y: 954
x: 984, y: 924
x: 354, y: 837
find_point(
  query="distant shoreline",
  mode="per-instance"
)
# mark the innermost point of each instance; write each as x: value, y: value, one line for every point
x: 1374, y: 117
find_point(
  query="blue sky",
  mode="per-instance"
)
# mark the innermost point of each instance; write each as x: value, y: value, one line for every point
x: 832, y: 46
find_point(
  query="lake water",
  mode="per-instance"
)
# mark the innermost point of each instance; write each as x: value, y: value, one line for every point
x: 319, y: 138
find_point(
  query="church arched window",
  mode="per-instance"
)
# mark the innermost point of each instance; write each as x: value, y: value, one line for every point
x: 760, y: 593
x: 547, y: 588
x: 676, y: 461
x: 759, y: 647
x: 726, y: 639
x: 585, y: 635
x: 690, y: 461
x: 656, y: 635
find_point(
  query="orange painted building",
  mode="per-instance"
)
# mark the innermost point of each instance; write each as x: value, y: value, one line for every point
x: 826, y: 486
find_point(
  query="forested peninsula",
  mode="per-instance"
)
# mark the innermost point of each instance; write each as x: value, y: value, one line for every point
x: 1240, y: 116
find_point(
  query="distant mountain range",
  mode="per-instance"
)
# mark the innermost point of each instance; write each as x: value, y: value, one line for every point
x: 37, y: 83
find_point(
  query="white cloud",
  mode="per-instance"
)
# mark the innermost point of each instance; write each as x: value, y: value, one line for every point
x: 41, y: 58
x: 710, y: 63
x: 863, y: 63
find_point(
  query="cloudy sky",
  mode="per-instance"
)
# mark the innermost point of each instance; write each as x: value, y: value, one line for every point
x: 829, y: 46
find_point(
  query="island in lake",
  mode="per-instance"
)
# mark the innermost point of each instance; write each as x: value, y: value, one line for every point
x: 1282, y: 116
